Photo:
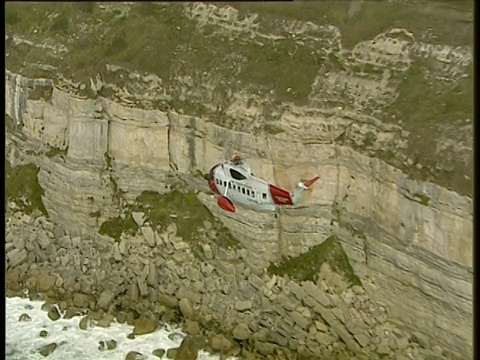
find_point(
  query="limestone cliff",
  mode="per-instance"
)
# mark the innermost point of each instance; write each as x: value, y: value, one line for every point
x: 403, y: 215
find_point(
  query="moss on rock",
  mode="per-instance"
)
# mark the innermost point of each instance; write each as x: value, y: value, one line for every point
x: 307, y: 266
x: 22, y: 187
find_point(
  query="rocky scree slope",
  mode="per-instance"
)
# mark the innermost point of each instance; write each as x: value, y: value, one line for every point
x: 119, y: 131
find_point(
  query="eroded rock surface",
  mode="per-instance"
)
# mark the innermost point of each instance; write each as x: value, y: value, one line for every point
x: 397, y: 195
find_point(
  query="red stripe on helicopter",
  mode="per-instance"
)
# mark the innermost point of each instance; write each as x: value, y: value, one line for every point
x: 226, y: 204
x: 280, y: 196
x: 312, y: 181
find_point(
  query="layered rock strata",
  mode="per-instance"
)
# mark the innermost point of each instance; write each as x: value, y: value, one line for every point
x: 413, y: 238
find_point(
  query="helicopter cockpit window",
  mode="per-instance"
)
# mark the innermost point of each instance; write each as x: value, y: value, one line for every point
x: 237, y: 175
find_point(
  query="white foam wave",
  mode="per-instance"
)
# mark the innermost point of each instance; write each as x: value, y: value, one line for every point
x: 22, y: 337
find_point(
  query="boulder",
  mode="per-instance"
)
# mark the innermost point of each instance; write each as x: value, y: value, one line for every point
x: 277, y: 338
x: 24, y: 317
x: 402, y: 343
x: 123, y: 247
x: 149, y: 235
x: 65, y: 242
x: 80, y: 300
x: 186, y: 308
x: 242, y: 332
x: 316, y: 293
x: 106, y: 320
x: 84, y: 323
x: 321, y: 326
x: 142, y: 286
x: 97, y: 315
x: 134, y: 355
x: 187, y: 350
x: 207, y: 251
x: 107, y: 345
x: 171, y: 353
x: 121, y: 317
x: 191, y: 327
x: 144, y: 326
x: 16, y: 257
x: 243, y: 305
x: 362, y: 339
x: 43, y: 240
x: 138, y: 217
x: 299, y: 319
x: 152, y: 278
x: 19, y: 242
x: 47, y: 349
x: 117, y: 255
x: 265, y: 348
x: 58, y: 232
x: 105, y: 299
x: 45, y: 282
x: 158, y: 353
x: 53, y: 313
x: 132, y: 292
x: 220, y: 343
x: 72, y: 312
x: 383, y: 349
x: 43, y: 333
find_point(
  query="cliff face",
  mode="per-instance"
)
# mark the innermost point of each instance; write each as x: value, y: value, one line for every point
x: 402, y: 229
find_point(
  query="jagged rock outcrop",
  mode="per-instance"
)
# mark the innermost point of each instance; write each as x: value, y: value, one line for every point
x: 409, y: 240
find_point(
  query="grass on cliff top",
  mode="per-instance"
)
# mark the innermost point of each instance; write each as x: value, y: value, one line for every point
x: 183, y: 209
x: 158, y: 38
x: 452, y: 21
x: 22, y: 187
x: 307, y: 266
x: 427, y: 106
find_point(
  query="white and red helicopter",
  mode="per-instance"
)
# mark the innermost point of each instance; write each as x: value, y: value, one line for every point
x: 234, y: 182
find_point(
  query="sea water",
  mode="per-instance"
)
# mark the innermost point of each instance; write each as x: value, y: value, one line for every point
x: 22, y: 339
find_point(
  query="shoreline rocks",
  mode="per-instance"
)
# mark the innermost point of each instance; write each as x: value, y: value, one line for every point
x: 313, y: 319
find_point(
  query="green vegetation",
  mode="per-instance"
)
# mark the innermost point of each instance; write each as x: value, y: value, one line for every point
x: 307, y: 266
x: 419, y: 198
x: 117, y: 226
x: 272, y: 129
x: 95, y: 214
x: 12, y: 16
x: 108, y: 159
x: 158, y: 38
x: 60, y: 24
x: 9, y: 124
x: 161, y: 210
x: 54, y: 151
x: 22, y: 187
x: 426, y: 105
x: 118, y: 45
x: 40, y: 92
x: 452, y: 21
